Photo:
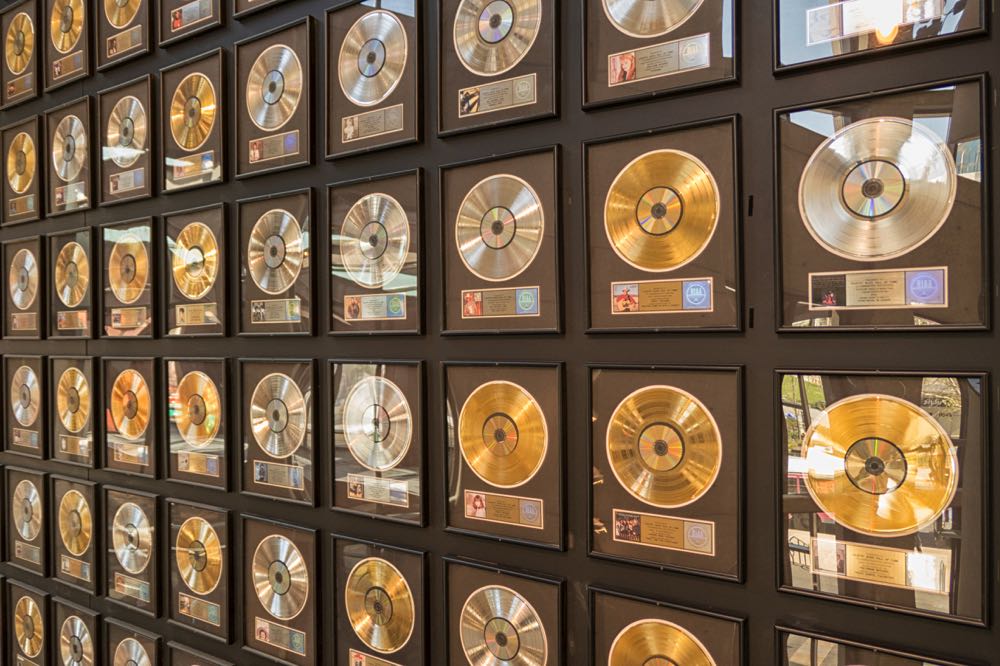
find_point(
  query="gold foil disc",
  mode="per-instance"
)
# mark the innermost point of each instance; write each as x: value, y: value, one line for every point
x: 372, y: 58
x: 194, y: 260
x: 499, y: 627
x: 121, y: 12
x: 503, y: 434
x: 73, y: 400
x: 656, y: 642
x: 26, y: 509
x: 132, y: 538
x: 192, y: 111
x: 69, y: 148
x: 127, y: 126
x: 72, y: 274
x: 29, y: 629
x: 76, y: 523
x: 274, y: 87
x: 649, y: 18
x: 276, y: 251
x: 130, y: 404
x: 278, y: 416
x: 374, y: 240
x: 198, y: 555
x: 130, y: 652
x: 378, y: 425
x: 379, y: 605
x: 25, y: 396
x: 21, y: 164
x: 22, y: 279
x: 664, y: 446
x: 19, y: 44
x: 128, y: 269
x: 197, y: 409
x: 76, y: 645
x: 66, y: 24
x: 280, y: 577
x: 491, y: 36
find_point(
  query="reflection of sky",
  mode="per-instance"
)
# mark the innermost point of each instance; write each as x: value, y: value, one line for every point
x: 727, y: 29
x: 821, y: 122
x: 404, y: 7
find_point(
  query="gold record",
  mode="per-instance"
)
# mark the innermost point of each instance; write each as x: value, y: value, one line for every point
x: 642, y: 18
x: 499, y: 627
x: 276, y: 251
x: 372, y: 58
x: 280, y: 577
x: 132, y: 538
x: 379, y: 605
x: 662, y: 210
x: 198, y: 554
x: 503, y: 434
x: 26, y: 509
x: 76, y: 646
x: 126, y: 136
x: 73, y: 399
x: 19, y: 44
x: 192, y: 111
x: 878, y: 189
x: 25, y: 396
x: 274, y: 87
x: 650, y: 642
x: 130, y: 404
x: 21, y: 163
x: 197, y: 411
x: 128, y: 269
x: 664, y: 446
x: 278, y: 415
x: 76, y: 523
x: 131, y: 653
x: 22, y: 280
x: 29, y: 628
x: 69, y: 148
x: 492, y: 36
x: 880, y: 465
x: 72, y: 274
x: 66, y: 24
x: 195, y: 260
x: 121, y: 12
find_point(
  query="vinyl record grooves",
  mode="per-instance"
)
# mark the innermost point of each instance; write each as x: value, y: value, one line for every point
x: 374, y: 240
x: 131, y: 653
x: 642, y: 18
x: 275, y: 252
x: 72, y: 274
x: 664, y: 446
x: 130, y: 404
x: 29, y: 629
x: 121, y: 12
x: 491, y: 36
x: 198, y: 554
x: 278, y: 415
x: 132, y: 537
x: 192, y: 111
x: 379, y: 605
x: 25, y: 396
x: 499, y: 627
x: 372, y: 58
x: 66, y: 24
x: 26, y: 509
x: 198, y: 411
x: 76, y: 646
x: 503, y: 434
x: 195, y: 260
x: 499, y: 227
x: 661, y: 210
x: 280, y: 577
x: 127, y: 127
x: 653, y: 642
x: 19, y: 44
x: 69, y: 148
x: 378, y: 425
x: 128, y: 269
x: 22, y: 279
x: 76, y: 523
x: 73, y: 400
x: 274, y: 87
x: 21, y: 163
x: 877, y: 189
x: 880, y: 465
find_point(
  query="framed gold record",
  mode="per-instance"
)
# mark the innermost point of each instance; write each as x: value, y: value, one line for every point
x: 70, y: 284
x: 70, y: 153
x: 74, y: 395
x: 196, y: 258
x: 200, y: 566
x: 123, y: 31
x: 27, y: 519
x: 197, y: 420
x: 127, y: 644
x: 129, y: 397
x: 273, y: 100
x: 373, y: 81
x: 179, y: 19
x: 127, y: 279
x: 23, y: 156
x: 125, y: 136
x: 23, y: 34
x: 26, y: 624
x: 76, y: 544
x: 131, y: 553
x: 25, y: 398
x: 68, y: 30
x: 24, y: 288
x: 78, y: 632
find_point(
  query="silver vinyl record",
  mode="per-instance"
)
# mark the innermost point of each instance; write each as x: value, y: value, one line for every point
x: 491, y: 36
x: 132, y: 537
x: 877, y: 189
x: 274, y: 87
x: 280, y: 577
x: 278, y: 415
x: 25, y: 396
x: 22, y: 279
x: 125, y: 142
x: 69, y: 148
x: 499, y: 627
x: 131, y: 653
x: 374, y: 240
x: 649, y: 18
x: 26, y: 510
x: 499, y: 227
x: 378, y: 425
x: 275, y: 252
x: 76, y: 646
x: 372, y: 58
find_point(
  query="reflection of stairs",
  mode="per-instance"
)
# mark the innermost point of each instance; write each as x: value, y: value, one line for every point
x: 798, y: 552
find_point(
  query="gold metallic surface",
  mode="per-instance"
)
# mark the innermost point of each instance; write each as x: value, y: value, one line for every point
x: 130, y: 404
x: 198, y: 555
x: 76, y: 523
x: 198, y: 409
x: 657, y: 643
x: 194, y: 260
x: 72, y: 274
x: 193, y: 111
x: 379, y: 605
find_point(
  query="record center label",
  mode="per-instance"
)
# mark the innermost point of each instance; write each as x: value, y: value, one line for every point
x: 199, y: 609
x: 196, y: 314
x: 507, y: 509
x: 124, y: 41
x: 274, y: 147
x: 356, y: 658
x: 26, y: 439
x: 371, y: 124
x: 132, y: 587
x: 498, y: 96
x: 21, y: 205
x: 663, y: 296
x: 667, y: 532
x: 27, y: 552
x: 204, y: 464
x: 189, y: 14
x: 879, y: 289
x: 374, y: 307
x: 279, y: 475
x: 658, y: 60
x: 127, y: 181
x: 129, y: 318
x: 20, y: 86
x: 74, y: 446
x: 378, y: 490
x: 67, y: 65
x: 72, y: 320
x: 502, y: 302
x: 279, y: 636
x: 24, y: 321
x: 74, y: 568
x: 926, y: 571
x: 276, y: 311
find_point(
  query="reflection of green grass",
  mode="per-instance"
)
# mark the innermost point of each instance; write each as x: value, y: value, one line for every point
x: 814, y: 391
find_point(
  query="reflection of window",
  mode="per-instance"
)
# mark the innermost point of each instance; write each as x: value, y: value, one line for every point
x: 942, y: 398
x: 940, y: 125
